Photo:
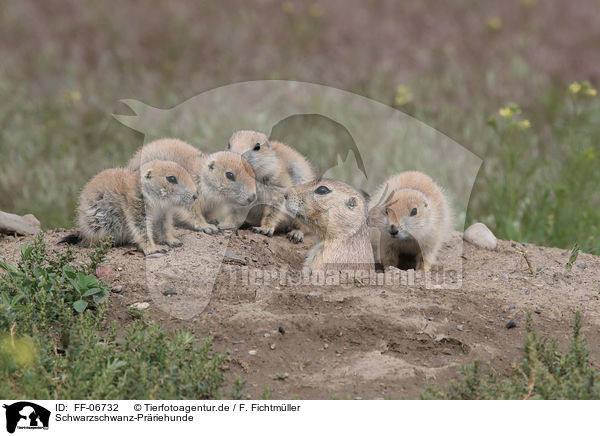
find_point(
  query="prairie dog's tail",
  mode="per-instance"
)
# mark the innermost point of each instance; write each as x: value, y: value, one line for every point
x: 72, y: 239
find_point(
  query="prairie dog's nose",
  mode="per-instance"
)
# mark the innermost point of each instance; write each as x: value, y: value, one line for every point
x: 252, y: 198
x: 195, y: 196
x: 393, y: 229
x: 285, y: 195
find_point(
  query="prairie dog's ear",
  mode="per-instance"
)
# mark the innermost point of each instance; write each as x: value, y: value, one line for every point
x: 148, y: 174
x: 351, y: 203
x: 211, y: 165
x: 388, y: 201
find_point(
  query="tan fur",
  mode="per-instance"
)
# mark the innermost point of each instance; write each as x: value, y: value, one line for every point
x: 209, y: 171
x: 277, y: 167
x: 394, y: 232
x: 130, y: 206
x: 339, y: 219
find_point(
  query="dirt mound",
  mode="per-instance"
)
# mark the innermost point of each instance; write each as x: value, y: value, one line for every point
x: 367, y: 341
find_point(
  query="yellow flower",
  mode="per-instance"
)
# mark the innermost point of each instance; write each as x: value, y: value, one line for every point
x: 574, y: 87
x: 505, y: 112
x: 288, y: 7
x: 591, y: 92
x: 403, y: 96
x: 524, y: 125
x: 73, y: 96
x: 590, y: 154
x: 316, y: 10
x: 494, y: 23
x: 22, y: 350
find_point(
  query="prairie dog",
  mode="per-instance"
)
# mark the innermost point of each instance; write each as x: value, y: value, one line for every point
x: 337, y: 213
x: 276, y: 167
x: 222, y: 177
x: 409, y: 215
x: 131, y: 206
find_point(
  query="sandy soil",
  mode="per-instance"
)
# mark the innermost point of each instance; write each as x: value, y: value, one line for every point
x: 366, y: 341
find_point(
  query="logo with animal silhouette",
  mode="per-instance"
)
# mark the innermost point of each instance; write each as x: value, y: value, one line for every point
x: 26, y: 415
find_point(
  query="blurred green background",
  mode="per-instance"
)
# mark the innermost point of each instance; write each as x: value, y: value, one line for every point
x: 514, y: 82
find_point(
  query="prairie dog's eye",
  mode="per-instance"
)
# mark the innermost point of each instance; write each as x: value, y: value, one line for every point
x: 387, y: 211
x: 172, y: 179
x: 322, y: 190
x: 230, y: 176
x: 228, y: 146
x: 256, y: 147
x: 413, y: 212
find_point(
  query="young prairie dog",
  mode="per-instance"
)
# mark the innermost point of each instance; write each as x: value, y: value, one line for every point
x: 221, y: 178
x: 337, y: 213
x: 134, y: 206
x: 409, y: 216
x: 276, y: 167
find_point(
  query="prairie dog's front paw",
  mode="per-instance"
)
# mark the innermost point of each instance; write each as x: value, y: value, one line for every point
x: 295, y: 236
x: 268, y: 231
x: 210, y: 229
x: 173, y: 243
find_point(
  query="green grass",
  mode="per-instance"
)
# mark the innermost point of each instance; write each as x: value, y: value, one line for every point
x: 52, y: 346
x: 543, y: 373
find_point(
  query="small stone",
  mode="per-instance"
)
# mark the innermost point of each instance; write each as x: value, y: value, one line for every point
x: 511, y: 324
x: 512, y: 307
x: 582, y: 265
x: 23, y: 225
x: 169, y: 292
x: 281, y: 330
x: 272, y: 346
x: 504, y: 276
x: 119, y: 269
x: 338, y: 352
x: 430, y: 318
x: 252, y: 352
x: 266, y: 335
x: 326, y: 346
x: 103, y: 272
x: 537, y: 311
x: 478, y: 234
x: 116, y: 289
x: 141, y: 306
x: 460, y: 327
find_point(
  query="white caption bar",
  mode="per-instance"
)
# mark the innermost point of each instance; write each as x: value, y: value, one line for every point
x: 23, y: 417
